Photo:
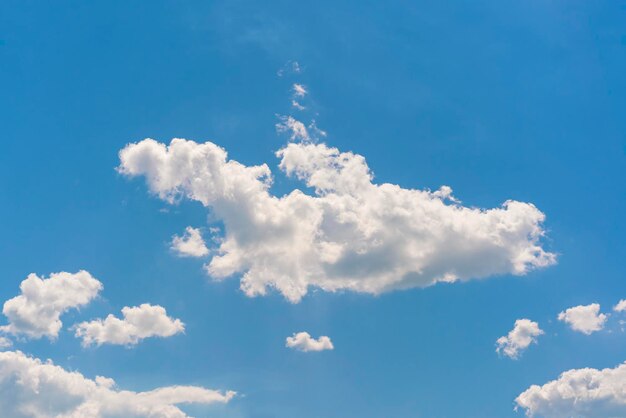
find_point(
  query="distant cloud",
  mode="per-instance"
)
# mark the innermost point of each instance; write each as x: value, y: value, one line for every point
x: 297, y: 105
x: 32, y: 388
x: 36, y: 312
x: 139, y: 322
x: 524, y: 333
x: 349, y: 233
x: 621, y: 306
x: 302, y: 341
x: 291, y: 67
x: 588, y: 393
x: 586, y: 319
x: 299, y: 90
x: 190, y: 244
x: 296, y: 129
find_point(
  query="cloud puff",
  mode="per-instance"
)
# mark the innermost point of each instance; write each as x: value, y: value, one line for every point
x: 589, y: 393
x: 296, y: 129
x: 190, y: 244
x: 30, y: 388
x: 299, y: 90
x: 297, y: 105
x: 584, y: 318
x: 36, y: 312
x: 519, y: 338
x: 621, y: 306
x: 302, y: 341
x: 351, y: 234
x: 139, y: 322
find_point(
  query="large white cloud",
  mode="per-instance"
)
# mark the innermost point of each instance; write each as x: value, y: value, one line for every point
x: 524, y: 333
x: 589, y: 393
x: 30, y: 388
x: 302, y: 341
x: 139, y: 322
x: 351, y: 234
x: 37, y: 310
x: 584, y: 318
x: 190, y: 244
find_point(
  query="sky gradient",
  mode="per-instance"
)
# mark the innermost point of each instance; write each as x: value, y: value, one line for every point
x: 497, y: 100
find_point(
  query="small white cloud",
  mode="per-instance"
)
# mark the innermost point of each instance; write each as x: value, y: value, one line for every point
x: 32, y: 388
x: 524, y: 333
x: 294, y: 127
x: 190, y: 244
x: 302, y: 341
x: 621, y: 306
x: 139, y: 322
x: 299, y: 90
x: 587, y: 392
x: 584, y: 318
x: 297, y: 105
x: 37, y: 311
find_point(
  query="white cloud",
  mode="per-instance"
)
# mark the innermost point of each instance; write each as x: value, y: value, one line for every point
x: 30, y: 388
x: 295, y: 128
x: 299, y: 90
x: 139, y: 322
x: 352, y: 234
x: 297, y: 105
x: 589, y: 393
x: 524, y: 333
x: 190, y: 244
x: 621, y: 306
x: 302, y: 341
x: 585, y: 319
x: 36, y: 312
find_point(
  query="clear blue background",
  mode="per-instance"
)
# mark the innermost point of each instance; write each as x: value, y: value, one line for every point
x: 498, y: 99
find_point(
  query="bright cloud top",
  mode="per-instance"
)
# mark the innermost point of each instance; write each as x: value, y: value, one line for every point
x: 190, y: 244
x: 584, y: 318
x: 30, y: 388
x: 524, y: 333
x: 585, y: 392
x: 139, y: 322
x: 36, y: 312
x: 302, y: 341
x: 621, y: 306
x: 351, y: 234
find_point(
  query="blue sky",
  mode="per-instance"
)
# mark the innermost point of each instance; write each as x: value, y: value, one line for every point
x: 498, y: 100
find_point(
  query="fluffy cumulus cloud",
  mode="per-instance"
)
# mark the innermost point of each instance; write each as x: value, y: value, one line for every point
x: 138, y: 322
x: 37, y: 310
x: 621, y: 306
x: 302, y: 341
x: 190, y: 244
x: 589, y: 393
x: 584, y: 318
x: 30, y: 388
x: 524, y: 333
x: 348, y: 234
